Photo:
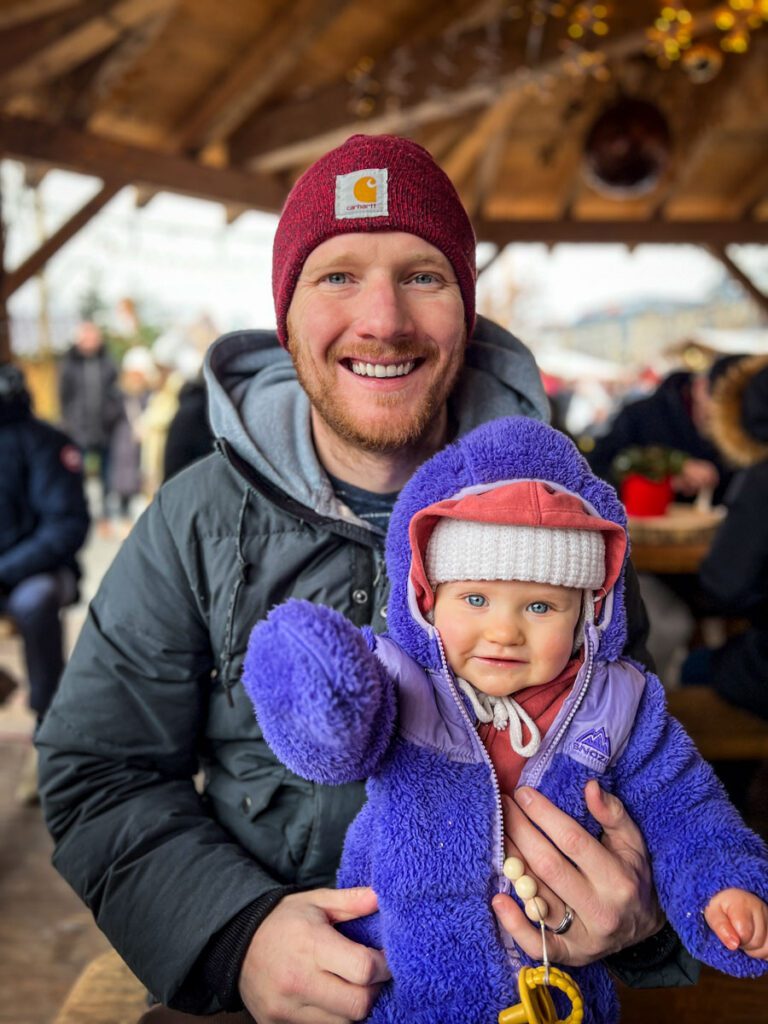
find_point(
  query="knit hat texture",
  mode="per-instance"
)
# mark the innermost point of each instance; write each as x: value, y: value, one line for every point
x: 372, y: 183
x: 461, y: 550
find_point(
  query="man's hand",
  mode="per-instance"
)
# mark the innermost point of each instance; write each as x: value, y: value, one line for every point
x: 606, y: 883
x: 300, y: 970
x: 696, y: 475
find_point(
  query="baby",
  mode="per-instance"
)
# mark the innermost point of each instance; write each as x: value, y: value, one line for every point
x: 501, y: 667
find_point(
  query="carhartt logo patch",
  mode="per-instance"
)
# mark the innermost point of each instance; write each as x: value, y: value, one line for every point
x: 594, y: 745
x: 362, y: 193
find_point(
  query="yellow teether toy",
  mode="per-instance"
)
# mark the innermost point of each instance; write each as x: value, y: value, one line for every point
x: 536, y: 1006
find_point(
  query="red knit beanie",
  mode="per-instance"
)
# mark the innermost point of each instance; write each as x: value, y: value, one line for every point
x: 372, y: 183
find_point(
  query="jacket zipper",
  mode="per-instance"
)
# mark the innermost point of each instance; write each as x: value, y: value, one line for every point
x: 499, y: 825
x: 536, y: 776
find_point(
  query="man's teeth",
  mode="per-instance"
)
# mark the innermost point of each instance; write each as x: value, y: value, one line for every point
x: 379, y: 370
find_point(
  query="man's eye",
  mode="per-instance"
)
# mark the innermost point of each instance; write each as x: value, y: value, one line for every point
x: 424, y: 278
x: 476, y: 600
x: 337, y: 277
x: 539, y: 607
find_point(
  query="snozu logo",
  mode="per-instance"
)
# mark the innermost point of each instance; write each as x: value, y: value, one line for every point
x: 594, y: 745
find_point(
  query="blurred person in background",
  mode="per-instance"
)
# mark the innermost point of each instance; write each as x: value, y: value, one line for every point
x: 676, y: 415
x: 89, y: 400
x: 178, y: 361
x: 43, y: 524
x: 138, y: 377
x: 734, y: 575
x: 189, y: 434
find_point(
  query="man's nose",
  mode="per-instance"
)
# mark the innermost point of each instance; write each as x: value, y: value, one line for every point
x: 384, y: 311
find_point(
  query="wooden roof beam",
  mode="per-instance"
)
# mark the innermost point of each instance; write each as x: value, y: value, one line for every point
x: 735, y: 271
x: 322, y: 123
x: 625, y: 232
x: 24, y: 11
x: 96, y: 31
x: 14, y: 279
x: 268, y: 63
x: 22, y: 139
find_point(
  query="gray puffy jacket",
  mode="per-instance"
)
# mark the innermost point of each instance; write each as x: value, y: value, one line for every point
x: 152, y: 693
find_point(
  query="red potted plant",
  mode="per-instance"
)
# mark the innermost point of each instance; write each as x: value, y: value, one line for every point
x: 645, y: 478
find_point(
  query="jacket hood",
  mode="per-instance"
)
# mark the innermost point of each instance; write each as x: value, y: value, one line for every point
x: 502, y: 452
x: 739, y: 423
x: 528, y: 503
x: 257, y: 405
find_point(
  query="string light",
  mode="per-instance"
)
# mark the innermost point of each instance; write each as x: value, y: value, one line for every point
x: 582, y: 27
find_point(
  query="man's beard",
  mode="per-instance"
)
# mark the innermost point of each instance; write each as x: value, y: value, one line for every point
x: 406, y: 427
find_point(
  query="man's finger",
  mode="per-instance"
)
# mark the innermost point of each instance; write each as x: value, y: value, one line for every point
x: 619, y: 830
x: 346, y: 904
x: 350, y: 961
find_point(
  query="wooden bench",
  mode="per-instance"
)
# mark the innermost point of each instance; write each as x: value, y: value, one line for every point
x: 108, y: 993
x: 721, y: 731
x: 717, y: 999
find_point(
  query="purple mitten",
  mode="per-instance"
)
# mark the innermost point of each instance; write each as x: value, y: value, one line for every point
x: 325, y: 704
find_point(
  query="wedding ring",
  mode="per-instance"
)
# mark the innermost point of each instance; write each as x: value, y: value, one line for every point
x: 565, y: 924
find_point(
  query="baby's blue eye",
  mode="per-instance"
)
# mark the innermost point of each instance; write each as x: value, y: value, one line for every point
x: 476, y: 600
x: 539, y: 607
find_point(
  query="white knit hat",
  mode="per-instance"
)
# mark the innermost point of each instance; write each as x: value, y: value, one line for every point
x: 460, y: 549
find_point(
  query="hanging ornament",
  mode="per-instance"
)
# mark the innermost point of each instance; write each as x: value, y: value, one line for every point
x: 702, y: 62
x: 627, y: 149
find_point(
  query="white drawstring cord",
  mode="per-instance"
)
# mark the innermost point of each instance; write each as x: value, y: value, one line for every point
x: 504, y: 712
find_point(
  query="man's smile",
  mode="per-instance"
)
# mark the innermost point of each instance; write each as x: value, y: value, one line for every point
x: 364, y: 369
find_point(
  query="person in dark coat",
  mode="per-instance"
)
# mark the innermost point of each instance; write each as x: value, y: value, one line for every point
x: 675, y: 416
x: 89, y: 398
x: 734, y: 575
x: 43, y: 524
x: 189, y: 436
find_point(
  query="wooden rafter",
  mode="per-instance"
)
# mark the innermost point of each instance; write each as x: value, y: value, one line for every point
x: 14, y: 279
x: 269, y: 62
x: 118, y: 62
x: 94, y: 34
x: 326, y: 123
x: 759, y: 296
x: 626, y: 232
x: 23, y: 139
x: 24, y: 11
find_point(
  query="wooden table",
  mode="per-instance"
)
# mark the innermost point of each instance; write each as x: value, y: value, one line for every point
x: 676, y: 542
x: 721, y: 731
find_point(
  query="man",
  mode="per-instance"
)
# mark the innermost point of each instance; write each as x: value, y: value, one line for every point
x: 677, y: 415
x: 218, y: 901
x: 43, y: 523
x: 91, y: 404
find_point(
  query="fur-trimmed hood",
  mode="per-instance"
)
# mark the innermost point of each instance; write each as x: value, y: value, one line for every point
x: 514, y: 448
x: 739, y: 423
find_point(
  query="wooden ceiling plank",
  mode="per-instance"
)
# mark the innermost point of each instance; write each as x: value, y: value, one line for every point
x: 269, y: 62
x: 14, y: 279
x: 94, y: 35
x: 75, y: 150
x: 119, y: 61
x: 735, y: 271
x: 23, y: 43
x: 24, y: 11
x: 322, y: 133
x: 702, y: 124
x: 691, y: 232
